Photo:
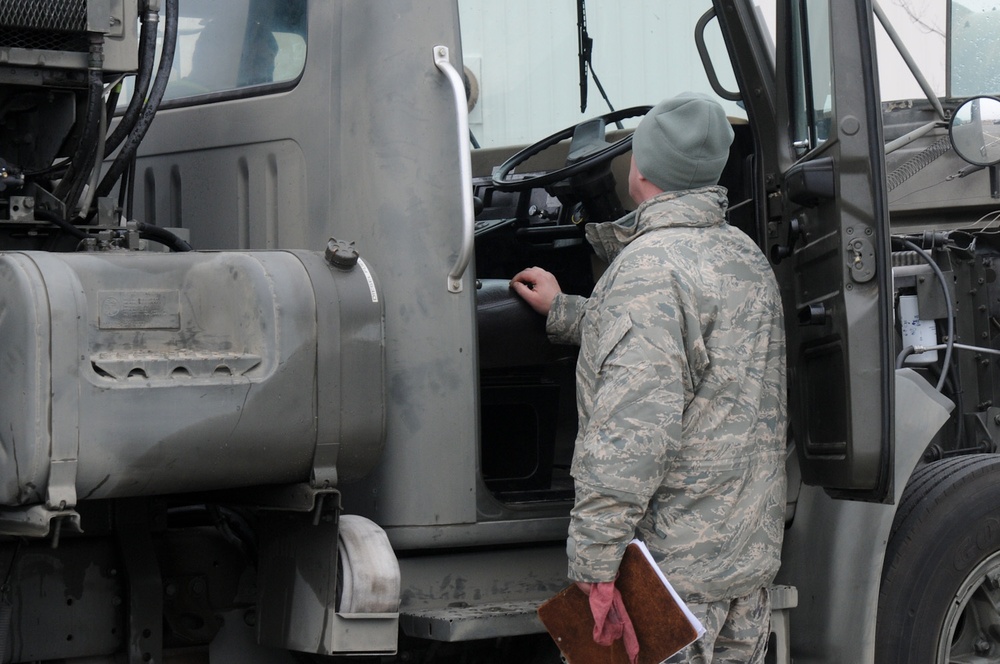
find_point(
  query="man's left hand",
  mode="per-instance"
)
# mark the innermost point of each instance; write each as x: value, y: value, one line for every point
x: 537, y: 287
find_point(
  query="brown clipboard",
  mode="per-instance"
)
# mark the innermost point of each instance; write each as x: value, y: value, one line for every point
x: 662, y: 624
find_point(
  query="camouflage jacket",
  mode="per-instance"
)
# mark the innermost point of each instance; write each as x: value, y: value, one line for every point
x: 681, y: 399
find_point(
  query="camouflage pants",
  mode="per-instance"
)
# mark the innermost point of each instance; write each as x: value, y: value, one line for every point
x: 736, y: 631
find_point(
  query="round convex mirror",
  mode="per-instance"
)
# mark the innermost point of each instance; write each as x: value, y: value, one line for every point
x: 975, y: 131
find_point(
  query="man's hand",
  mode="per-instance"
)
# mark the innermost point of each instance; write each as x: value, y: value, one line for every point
x: 585, y: 587
x: 537, y: 287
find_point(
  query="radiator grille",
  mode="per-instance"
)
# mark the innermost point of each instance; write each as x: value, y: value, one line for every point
x: 50, y: 25
x: 49, y: 41
x: 58, y: 15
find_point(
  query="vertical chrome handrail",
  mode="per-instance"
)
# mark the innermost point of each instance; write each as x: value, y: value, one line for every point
x: 465, y: 164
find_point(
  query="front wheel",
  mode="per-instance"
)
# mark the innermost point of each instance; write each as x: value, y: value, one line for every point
x: 939, y: 601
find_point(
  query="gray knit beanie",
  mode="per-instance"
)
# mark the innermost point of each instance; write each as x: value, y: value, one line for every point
x: 683, y: 142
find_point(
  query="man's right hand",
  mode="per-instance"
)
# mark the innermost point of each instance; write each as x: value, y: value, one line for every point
x: 537, y: 287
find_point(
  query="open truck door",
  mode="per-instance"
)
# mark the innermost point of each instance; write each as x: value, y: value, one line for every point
x: 831, y: 246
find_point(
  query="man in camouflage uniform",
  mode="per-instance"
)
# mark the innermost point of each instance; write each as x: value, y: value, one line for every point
x: 680, y: 387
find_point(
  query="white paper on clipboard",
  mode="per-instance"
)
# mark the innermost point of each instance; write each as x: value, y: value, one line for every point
x: 673, y: 593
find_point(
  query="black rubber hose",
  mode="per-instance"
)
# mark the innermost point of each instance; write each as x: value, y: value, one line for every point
x: 131, y: 144
x: 163, y: 236
x: 112, y: 103
x: 45, y: 215
x: 87, y: 198
x: 147, y: 53
x: 146, y: 231
x: 125, y: 187
x: 75, y: 176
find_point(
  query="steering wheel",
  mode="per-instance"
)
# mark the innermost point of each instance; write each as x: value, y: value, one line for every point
x: 587, y: 150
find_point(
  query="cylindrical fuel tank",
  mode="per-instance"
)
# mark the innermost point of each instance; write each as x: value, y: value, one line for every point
x: 134, y: 373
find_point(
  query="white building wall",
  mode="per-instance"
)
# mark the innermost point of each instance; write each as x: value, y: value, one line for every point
x: 531, y: 45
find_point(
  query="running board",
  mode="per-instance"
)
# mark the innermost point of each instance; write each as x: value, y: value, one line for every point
x: 468, y: 622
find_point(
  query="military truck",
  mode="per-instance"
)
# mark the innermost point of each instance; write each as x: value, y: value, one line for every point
x: 267, y: 397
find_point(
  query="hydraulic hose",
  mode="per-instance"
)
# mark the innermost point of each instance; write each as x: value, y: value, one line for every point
x: 162, y: 235
x: 147, y: 54
x: 146, y: 231
x: 44, y: 215
x: 95, y: 172
x: 73, y: 180
x: 135, y: 137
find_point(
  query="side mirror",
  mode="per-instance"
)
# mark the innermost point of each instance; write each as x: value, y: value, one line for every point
x: 975, y: 135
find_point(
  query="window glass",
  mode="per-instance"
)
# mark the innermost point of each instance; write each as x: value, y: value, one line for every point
x: 521, y: 57
x: 921, y: 25
x: 233, y: 45
x: 975, y: 48
x: 810, y: 75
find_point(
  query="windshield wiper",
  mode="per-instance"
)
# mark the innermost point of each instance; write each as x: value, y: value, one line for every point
x: 585, y: 51
x: 584, y: 46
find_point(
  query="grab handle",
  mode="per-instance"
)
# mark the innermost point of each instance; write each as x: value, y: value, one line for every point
x: 465, y: 164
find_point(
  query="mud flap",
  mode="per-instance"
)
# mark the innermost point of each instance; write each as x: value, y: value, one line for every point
x: 920, y: 412
x: 304, y: 601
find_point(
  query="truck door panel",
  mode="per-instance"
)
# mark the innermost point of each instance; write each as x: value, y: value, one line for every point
x: 833, y: 245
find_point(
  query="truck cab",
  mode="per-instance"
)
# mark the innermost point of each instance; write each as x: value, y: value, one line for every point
x: 270, y: 398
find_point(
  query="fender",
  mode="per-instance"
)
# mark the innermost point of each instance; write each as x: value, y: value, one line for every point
x: 844, y: 542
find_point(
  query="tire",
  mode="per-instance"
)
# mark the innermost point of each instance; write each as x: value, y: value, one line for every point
x: 939, y: 600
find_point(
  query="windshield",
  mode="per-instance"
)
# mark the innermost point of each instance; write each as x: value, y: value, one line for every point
x: 975, y: 48
x: 923, y: 27
x: 522, y: 61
